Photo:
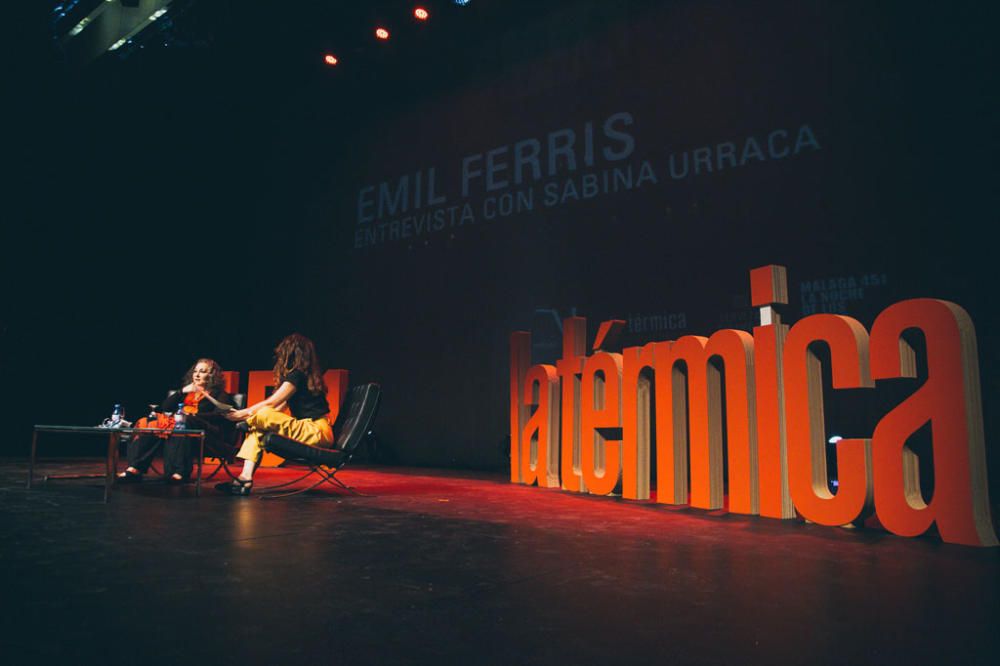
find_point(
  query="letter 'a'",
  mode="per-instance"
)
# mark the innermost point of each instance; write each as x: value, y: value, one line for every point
x: 950, y: 400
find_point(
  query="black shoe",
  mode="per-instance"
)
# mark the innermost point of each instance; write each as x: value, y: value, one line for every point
x: 128, y: 477
x: 176, y: 481
x: 235, y: 487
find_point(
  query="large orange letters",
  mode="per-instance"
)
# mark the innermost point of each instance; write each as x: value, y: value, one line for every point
x: 570, y: 367
x: 600, y: 456
x: 540, y: 440
x: 636, y: 391
x: 774, y: 421
x: 807, y: 473
x: 950, y: 401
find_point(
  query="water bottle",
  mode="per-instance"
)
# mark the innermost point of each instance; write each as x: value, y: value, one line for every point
x: 180, y: 418
x: 117, y: 414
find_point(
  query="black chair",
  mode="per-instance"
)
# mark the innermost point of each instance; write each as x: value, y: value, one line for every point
x: 352, y: 426
x: 226, y: 453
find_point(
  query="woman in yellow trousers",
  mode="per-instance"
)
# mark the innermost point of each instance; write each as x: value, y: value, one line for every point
x: 300, y: 387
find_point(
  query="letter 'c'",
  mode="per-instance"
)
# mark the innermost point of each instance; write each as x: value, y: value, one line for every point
x: 807, y: 474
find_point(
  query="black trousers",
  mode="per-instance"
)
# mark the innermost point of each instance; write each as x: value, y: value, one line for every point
x: 178, y: 453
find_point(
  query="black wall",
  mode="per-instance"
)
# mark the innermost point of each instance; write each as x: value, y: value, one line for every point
x: 197, y: 204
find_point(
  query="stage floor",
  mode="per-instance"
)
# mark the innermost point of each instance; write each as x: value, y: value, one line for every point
x: 466, y: 568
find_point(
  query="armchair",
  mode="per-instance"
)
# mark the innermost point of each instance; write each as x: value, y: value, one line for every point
x: 353, y: 423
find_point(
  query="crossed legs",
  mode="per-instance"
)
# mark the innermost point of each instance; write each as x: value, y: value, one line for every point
x: 316, y: 432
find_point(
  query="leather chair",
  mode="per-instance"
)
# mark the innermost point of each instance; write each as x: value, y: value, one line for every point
x: 352, y: 426
x: 226, y: 452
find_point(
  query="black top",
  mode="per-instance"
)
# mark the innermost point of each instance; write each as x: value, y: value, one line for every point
x: 207, y: 418
x: 205, y: 406
x: 304, y: 404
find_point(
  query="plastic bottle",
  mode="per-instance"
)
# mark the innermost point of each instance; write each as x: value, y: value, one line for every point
x: 117, y: 414
x: 180, y: 418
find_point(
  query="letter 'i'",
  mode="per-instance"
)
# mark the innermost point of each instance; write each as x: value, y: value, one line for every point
x: 768, y: 287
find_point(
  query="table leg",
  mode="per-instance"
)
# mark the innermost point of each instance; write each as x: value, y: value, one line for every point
x: 31, y: 460
x: 114, y: 464
x: 111, y: 464
x: 201, y: 461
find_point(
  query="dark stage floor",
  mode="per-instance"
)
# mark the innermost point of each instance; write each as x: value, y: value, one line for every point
x: 448, y: 567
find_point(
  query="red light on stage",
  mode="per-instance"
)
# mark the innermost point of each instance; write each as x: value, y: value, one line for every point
x: 421, y: 14
x: 330, y: 59
x: 382, y: 33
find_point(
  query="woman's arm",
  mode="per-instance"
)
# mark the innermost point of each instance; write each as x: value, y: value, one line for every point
x: 206, y: 405
x: 170, y: 403
x: 276, y: 400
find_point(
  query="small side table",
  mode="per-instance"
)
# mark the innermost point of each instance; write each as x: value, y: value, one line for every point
x: 114, y: 439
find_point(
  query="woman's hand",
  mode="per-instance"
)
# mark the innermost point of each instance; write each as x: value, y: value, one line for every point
x: 237, y: 415
x: 276, y: 400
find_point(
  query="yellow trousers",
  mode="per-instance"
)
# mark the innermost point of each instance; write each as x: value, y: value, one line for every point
x: 316, y: 432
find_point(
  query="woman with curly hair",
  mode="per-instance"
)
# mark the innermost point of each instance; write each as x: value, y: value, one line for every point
x: 204, y: 377
x: 300, y: 387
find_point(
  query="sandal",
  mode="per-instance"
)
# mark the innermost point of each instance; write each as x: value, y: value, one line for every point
x: 235, y: 487
x: 128, y: 477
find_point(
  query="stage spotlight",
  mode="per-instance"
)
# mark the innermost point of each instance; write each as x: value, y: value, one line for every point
x: 381, y: 33
x: 330, y: 59
x: 421, y: 14
x: 461, y: 3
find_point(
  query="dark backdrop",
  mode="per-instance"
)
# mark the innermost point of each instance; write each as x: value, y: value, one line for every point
x: 204, y: 200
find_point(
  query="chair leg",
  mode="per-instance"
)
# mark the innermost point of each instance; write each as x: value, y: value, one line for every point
x: 216, y: 471
x: 326, y: 476
x: 293, y: 492
x: 311, y: 471
x: 330, y: 477
x: 223, y: 466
